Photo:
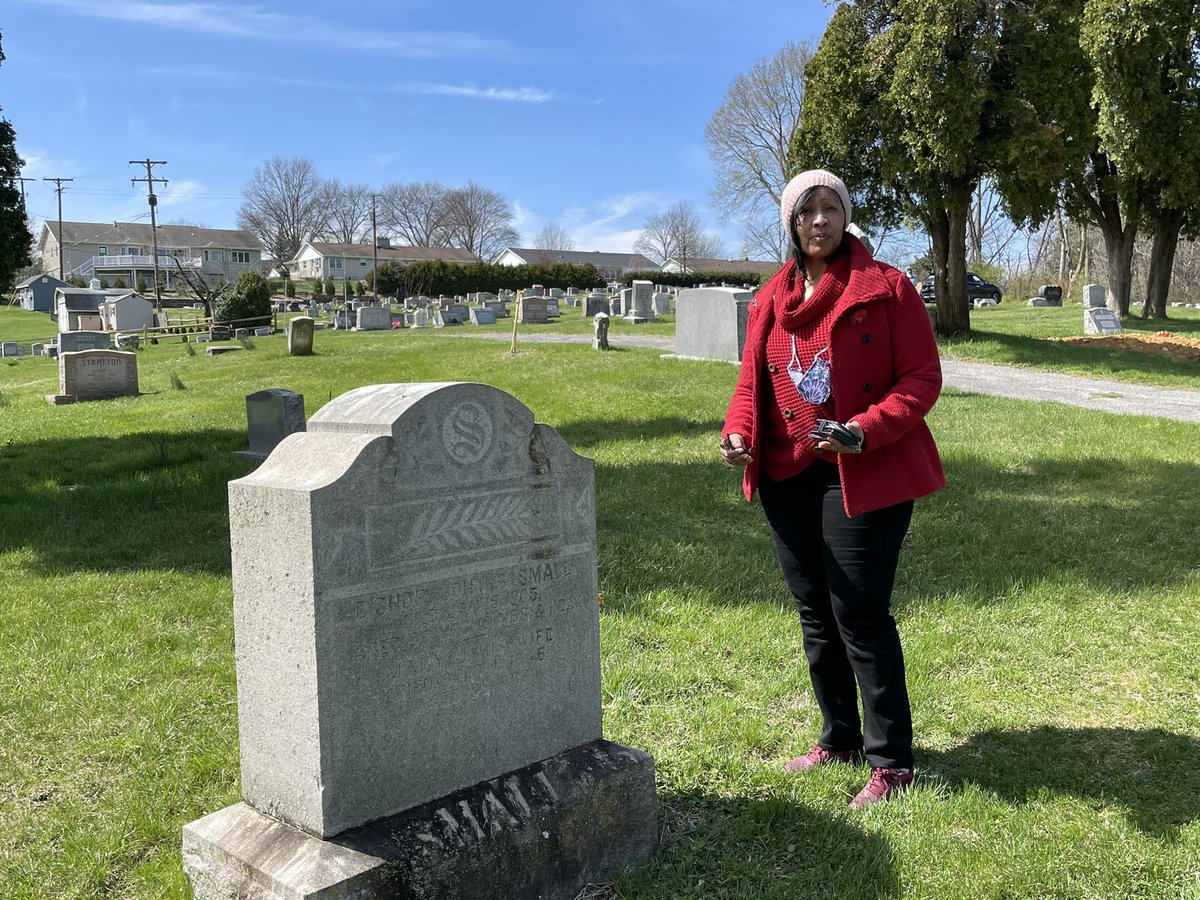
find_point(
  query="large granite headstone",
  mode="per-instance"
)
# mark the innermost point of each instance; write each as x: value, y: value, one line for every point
x: 595, y: 303
x: 372, y: 318
x: 300, y: 336
x: 482, y: 316
x: 95, y: 375
x: 272, y: 415
x: 498, y: 307
x: 641, y: 304
x: 10, y: 348
x: 710, y: 323
x: 532, y: 310
x: 1093, y: 296
x: 75, y: 341
x: 421, y: 678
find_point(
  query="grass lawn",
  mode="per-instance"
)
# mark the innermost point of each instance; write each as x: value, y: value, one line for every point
x: 1048, y: 600
x: 18, y: 324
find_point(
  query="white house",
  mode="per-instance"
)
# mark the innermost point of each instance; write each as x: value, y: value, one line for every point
x: 338, y: 262
x: 610, y: 265
x: 129, y: 312
x: 78, y: 309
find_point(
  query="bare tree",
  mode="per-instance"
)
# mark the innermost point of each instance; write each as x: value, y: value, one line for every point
x: 748, y: 139
x: 553, y: 237
x: 283, y: 205
x: 480, y: 221
x: 677, y: 234
x: 348, y: 208
x: 416, y: 212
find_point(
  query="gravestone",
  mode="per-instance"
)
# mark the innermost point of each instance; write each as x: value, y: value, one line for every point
x: 372, y: 318
x: 300, y: 336
x: 481, y: 316
x: 662, y: 304
x: 595, y: 303
x: 95, y: 375
x: 532, y: 310
x: 38, y: 349
x: 640, y: 307
x: 455, y: 314
x: 710, y: 323
x: 1093, y: 296
x: 1101, y: 320
x: 75, y: 341
x: 552, y: 310
x: 264, y: 331
x: 535, y: 291
x: 420, y: 319
x: 343, y: 320
x: 498, y: 307
x: 1051, y: 293
x: 272, y: 415
x: 600, y: 331
x: 239, y: 333
x: 554, y: 293
x: 220, y: 333
x: 9, y: 348
x: 421, y: 678
x: 1037, y: 301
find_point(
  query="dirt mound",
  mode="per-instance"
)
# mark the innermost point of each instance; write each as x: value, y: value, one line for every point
x: 1167, y: 344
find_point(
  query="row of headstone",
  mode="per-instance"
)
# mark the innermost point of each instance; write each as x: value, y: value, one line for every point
x: 419, y: 693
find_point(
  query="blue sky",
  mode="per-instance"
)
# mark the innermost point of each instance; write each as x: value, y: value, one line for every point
x: 587, y: 115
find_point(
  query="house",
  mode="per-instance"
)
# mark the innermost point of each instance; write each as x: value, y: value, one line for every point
x: 337, y: 262
x: 128, y: 312
x: 78, y: 309
x: 761, y: 268
x: 124, y: 251
x: 36, y: 293
x: 611, y: 266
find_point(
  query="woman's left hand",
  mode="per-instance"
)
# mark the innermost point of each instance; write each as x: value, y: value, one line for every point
x: 837, y: 446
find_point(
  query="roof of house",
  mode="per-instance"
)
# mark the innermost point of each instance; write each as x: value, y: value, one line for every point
x: 758, y: 267
x: 405, y: 254
x: 599, y: 259
x: 38, y: 277
x: 139, y: 233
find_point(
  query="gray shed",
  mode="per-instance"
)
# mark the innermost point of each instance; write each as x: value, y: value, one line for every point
x: 36, y: 293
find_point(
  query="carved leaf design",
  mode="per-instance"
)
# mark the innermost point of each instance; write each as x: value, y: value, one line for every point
x: 476, y: 521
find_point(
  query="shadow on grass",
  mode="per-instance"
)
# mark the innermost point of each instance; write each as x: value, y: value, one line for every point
x: 1151, y: 773
x: 147, y: 500
x: 996, y: 529
x: 773, y: 849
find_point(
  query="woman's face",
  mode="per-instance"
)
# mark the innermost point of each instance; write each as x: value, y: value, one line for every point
x: 819, y: 223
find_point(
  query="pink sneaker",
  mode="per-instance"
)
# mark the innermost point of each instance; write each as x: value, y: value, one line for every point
x: 819, y: 756
x: 884, y: 784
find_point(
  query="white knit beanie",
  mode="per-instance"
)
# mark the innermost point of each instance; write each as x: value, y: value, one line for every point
x: 797, y: 186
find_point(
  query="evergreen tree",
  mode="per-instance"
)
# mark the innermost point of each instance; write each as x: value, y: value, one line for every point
x: 15, y: 238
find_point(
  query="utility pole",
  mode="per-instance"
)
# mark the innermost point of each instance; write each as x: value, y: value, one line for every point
x: 374, y: 255
x: 23, y: 180
x: 153, y: 200
x: 62, y: 246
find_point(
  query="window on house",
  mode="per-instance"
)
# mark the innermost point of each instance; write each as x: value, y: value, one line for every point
x: 212, y: 255
x: 102, y: 251
x: 239, y: 256
x: 362, y: 262
x: 130, y: 251
x: 335, y: 262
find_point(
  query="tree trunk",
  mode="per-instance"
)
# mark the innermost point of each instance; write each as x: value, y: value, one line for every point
x: 948, y: 233
x: 1162, y: 258
x: 1119, y: 242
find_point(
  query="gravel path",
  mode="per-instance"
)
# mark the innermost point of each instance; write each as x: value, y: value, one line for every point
x: 1123, y: 397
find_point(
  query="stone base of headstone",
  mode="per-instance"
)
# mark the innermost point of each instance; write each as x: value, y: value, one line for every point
x: 218, y: 349
x: 61, y: 399
x: 543, y: 832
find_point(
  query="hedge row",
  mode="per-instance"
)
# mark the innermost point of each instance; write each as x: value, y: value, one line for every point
x: 691, y: 279
x: 439, y: 277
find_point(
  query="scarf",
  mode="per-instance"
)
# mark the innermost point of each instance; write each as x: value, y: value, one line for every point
x: 787, y: 288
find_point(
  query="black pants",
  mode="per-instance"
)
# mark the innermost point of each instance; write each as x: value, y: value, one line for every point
x: 841, y: 571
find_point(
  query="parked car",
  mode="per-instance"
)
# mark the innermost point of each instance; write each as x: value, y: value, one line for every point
x: 977, y: 289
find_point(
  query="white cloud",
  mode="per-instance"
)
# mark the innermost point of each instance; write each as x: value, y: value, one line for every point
x: 255, y: 23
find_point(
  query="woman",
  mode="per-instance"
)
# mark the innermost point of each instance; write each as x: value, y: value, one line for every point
x: 835, y: 335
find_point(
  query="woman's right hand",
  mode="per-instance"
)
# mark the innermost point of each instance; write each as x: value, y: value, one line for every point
x: 735, y: 451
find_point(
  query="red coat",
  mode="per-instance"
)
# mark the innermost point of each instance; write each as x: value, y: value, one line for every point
x: 886, y: 376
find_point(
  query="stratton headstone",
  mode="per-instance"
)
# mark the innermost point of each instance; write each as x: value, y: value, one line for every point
x: 300, y: 336
x: 710, y: 323
x: 95, y: 375
x: 421, y: 679
x: 272, y: 415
